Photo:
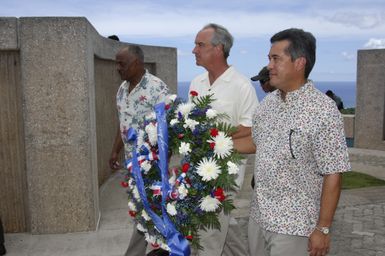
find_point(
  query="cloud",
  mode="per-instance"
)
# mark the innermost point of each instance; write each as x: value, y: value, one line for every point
x: 374, y: 43
x: 359, y: 19
x: 348, y: 56
x: 248, y: 18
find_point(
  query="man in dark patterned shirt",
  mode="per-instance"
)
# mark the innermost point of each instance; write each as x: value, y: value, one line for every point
x: 298, y: 136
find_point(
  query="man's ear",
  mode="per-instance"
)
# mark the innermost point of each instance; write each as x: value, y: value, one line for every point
x: 300, y: 63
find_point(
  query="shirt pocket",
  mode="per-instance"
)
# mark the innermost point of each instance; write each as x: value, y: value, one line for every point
x: 298, y: 143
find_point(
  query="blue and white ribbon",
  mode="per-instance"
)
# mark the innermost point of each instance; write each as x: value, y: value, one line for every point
x: 177, y: 243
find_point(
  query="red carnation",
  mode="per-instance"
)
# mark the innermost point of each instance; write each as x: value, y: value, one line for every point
x: 212, y: 145
x: 167, y: 107
x: 189, y: 237
x: 155, y: 245
x: 180, y: 136
x: 193, y: 93
x: 185, y: 167
x: 219, y: 194
x: 132, y: 213
x: 214, y: 132
x: 124, y: 184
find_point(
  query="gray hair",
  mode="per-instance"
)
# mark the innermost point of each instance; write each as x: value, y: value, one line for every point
x: 221, y: 36
x: 136, y: 52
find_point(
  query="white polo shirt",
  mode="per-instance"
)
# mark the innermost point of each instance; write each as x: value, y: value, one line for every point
x: 234, y: 95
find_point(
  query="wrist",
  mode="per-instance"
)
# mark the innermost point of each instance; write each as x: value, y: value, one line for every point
x: 323, y: 229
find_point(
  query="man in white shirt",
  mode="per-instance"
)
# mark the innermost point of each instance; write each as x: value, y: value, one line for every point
x: 234, y: 96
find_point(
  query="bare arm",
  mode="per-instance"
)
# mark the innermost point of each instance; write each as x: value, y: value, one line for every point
x: 118, y: 145
x: 244, y: 145
x: 242, y: 131
x: 319, y: 243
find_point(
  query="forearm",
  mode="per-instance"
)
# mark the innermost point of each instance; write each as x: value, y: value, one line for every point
x: 244, y: 145
x: 331, y: 190
x: 118, y: 143
x: 242, y: 131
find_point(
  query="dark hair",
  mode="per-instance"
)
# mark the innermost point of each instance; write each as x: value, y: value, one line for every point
x: 221, y: 36
x: 302, y: 44
x: 136, y: 51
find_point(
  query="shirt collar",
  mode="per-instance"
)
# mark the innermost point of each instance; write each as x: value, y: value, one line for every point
x: 127, y: 83
x: 226, y: 76
x: 294, y: 95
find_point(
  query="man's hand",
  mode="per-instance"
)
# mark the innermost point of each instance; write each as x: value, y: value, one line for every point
x: 319, y: 244
x: 113, y: 162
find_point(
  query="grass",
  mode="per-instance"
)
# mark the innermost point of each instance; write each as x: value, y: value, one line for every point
x: 352, y: 180
x: 348, y: 111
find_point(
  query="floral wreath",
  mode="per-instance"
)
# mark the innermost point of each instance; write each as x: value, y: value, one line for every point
x: 170, y: 205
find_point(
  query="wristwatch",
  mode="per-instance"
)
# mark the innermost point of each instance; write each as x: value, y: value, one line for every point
x: 323, y: 230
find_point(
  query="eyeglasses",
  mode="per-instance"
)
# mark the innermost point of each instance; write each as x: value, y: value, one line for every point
x: 290, y: 144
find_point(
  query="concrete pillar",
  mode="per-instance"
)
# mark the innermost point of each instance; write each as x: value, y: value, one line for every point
x: 370, y: 109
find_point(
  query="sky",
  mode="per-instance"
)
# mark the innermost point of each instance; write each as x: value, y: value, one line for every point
x: 341, y: 27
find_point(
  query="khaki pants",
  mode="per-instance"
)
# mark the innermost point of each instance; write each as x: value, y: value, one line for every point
x: 266, y: 243
x: 137, y: 245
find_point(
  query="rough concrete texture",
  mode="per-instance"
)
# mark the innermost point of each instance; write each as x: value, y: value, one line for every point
x: 58, y: 81
x: 8, y: 33
x: 370, y: 107
x: 349, y: 125
x: 58, y: 125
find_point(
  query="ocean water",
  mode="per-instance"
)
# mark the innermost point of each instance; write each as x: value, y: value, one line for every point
x: 345, y: 90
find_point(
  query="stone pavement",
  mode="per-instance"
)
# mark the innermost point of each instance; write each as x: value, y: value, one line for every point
x: 358, y: 227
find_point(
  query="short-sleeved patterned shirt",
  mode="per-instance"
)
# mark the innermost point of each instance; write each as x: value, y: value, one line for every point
x: 134, y: 106
x: 298, y: 141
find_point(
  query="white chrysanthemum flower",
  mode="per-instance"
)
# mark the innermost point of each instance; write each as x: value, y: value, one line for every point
x: 190, y: 123
x: 152, y: 133
x: 131, y: 206
x: 223, y: 145
x: 135, y: 192
x: 150, y: 239
x: 232, y: 168
x: 208, y: 169
x: 140, y: 138
x: 146, y: 166
x: 151, y: 116
x: 164, y: 246
x: 182, y: 190
x: 131, y: 184
x: 171, y: 98
x: 211, y: 113
x: 185, y: 109
x: 171, y: 209
x: 140, y: 228
x: 145, y: 216
x: 209, y: 204
x: 172, y: 180
x: 174, y: 122
x: 184, y: 148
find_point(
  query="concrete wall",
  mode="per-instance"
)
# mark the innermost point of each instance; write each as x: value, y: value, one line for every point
x: 349, y: 125
x: 370, y: 109
x: 67, y: 89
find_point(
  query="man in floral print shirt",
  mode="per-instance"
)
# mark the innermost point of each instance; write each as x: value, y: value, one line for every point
x: 301, y: 152
x: 136, y: 97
